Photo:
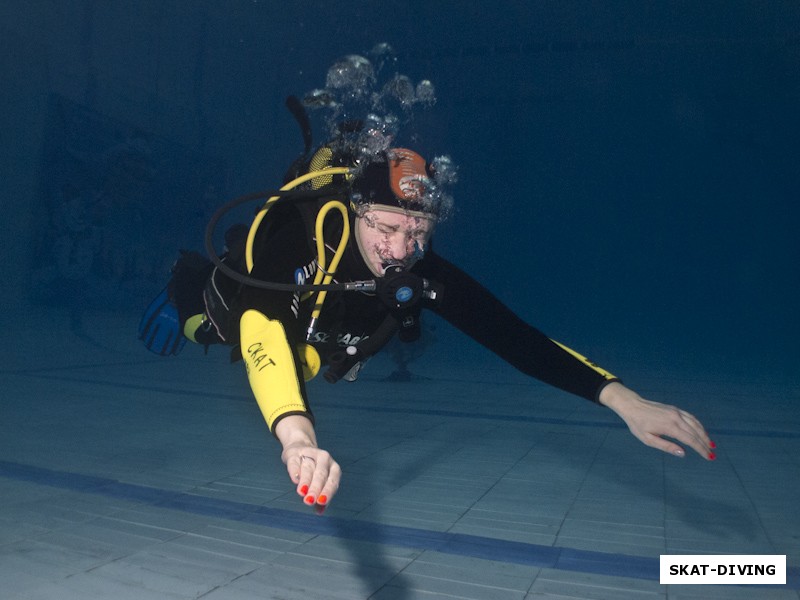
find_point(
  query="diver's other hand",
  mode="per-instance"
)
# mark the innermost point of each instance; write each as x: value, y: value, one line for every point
x: 652, y: 421
x: 310, y: 468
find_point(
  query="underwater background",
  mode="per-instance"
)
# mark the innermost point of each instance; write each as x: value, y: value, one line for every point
x: 629, y: 177
x: 629, y: 172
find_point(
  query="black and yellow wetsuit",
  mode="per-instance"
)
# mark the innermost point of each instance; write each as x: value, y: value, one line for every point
x: 273, y: 323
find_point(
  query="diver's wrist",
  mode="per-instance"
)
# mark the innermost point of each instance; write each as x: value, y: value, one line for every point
x: 613, y: 395
x: 294, y: 430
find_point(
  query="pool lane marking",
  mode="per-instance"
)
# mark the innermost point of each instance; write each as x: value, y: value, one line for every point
x: 537, y: 555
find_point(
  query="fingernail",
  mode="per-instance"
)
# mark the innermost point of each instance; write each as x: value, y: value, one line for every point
x: 678, y: 452
x: 711, y: 444
x: 712, y: 456
x: 309, y: 500
x: 304, y: 490
x: 322, y: 500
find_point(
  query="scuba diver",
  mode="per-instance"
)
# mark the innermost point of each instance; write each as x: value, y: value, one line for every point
x: 336, y: 264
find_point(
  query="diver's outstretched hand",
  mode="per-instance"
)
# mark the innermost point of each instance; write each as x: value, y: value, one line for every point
x: 652, y: 422
x: 310, y: 468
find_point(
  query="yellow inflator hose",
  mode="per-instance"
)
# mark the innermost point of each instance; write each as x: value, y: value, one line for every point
x: 324, y: 272
x: 289, y: 186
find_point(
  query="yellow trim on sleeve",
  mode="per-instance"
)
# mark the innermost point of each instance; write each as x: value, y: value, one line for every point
x: 585, y: 361
x: 270, y: 366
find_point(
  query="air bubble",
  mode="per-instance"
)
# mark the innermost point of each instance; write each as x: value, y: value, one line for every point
x: 319, y: 99
x: 352, y: 75
x: 426, y: 94
x: 364, y: 114
x: 444, y: 170
x: 401, y: 89
x: 376, y: 137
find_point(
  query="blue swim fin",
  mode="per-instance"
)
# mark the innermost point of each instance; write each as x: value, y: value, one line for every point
x: 160, y: 328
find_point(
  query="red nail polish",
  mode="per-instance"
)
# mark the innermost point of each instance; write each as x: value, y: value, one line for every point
x: 309, y: 500
x: 304, y: 490
x: 711, y: 444
x: 322, y: 500
x: 712, y: 456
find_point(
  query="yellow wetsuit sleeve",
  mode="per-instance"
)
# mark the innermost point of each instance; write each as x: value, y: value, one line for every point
x: 271, y: 368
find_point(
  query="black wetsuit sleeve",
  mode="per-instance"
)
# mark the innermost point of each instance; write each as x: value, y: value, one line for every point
x: 474, y: 310
x: 279, y: 248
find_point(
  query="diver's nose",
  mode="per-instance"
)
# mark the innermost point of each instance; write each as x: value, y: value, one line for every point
x: 399, y: 248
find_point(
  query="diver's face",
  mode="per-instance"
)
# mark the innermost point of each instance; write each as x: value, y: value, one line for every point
x: 388, y: 238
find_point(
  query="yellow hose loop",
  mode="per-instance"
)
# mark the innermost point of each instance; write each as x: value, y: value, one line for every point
x: 325, y: 273
x: 289, y: 186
